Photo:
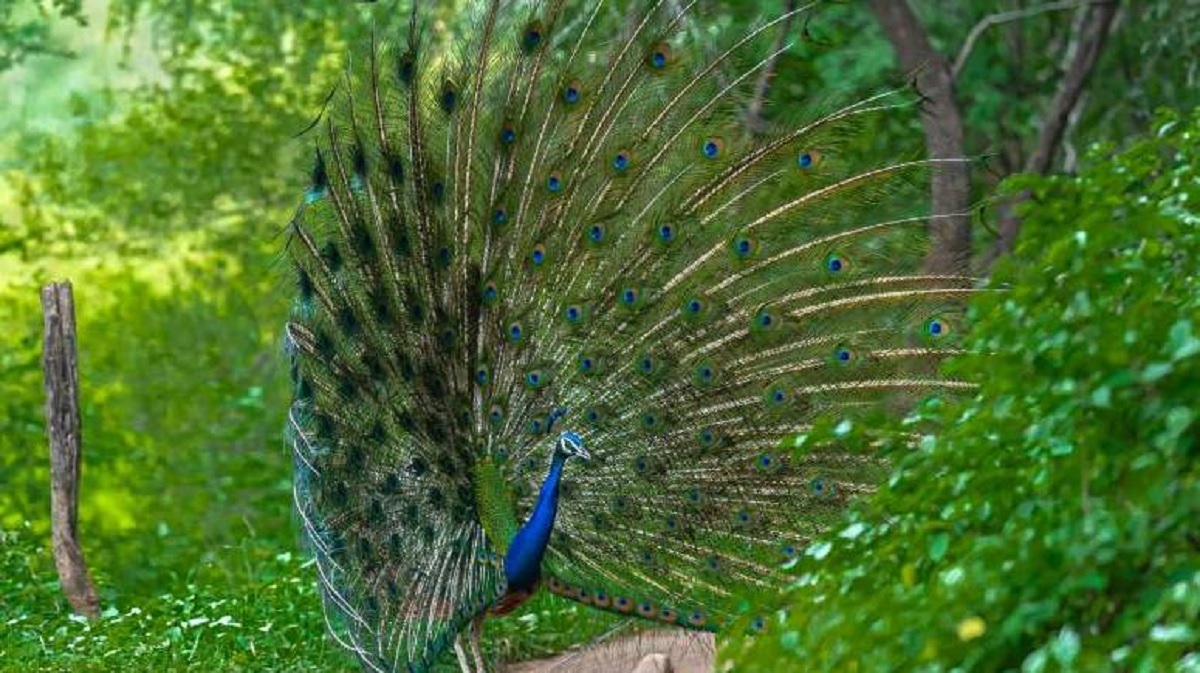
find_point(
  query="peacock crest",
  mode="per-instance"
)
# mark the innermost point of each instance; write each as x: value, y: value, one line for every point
x: 556, y: 307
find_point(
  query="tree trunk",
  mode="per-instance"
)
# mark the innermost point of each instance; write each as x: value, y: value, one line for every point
x: 1091, y: 32
x: 63, y: 427
x: 943, y: 125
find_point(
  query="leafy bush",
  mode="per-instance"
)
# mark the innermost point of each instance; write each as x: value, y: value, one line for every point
x: 1050, y: 522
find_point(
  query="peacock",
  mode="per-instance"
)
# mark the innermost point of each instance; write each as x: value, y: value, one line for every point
x: 556, y: 304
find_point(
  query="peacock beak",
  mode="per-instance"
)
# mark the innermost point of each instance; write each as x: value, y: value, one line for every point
x: 583, y: 453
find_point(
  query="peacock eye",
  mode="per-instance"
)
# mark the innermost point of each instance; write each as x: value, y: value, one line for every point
x: 659, y: 56
x: 713, y: 147
x: 508, y: 134
x: 621, y: 161
x: 572, y: 93
x: 533, y: 36
x: 554, y: 183
x: 808, y: 159
x: 538, y: 255
x: 836, y: 264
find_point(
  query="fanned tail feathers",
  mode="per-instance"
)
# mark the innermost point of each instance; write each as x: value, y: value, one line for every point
x: 539, y: 216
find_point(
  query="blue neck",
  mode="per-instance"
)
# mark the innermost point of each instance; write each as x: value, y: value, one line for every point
x: 523, y: 562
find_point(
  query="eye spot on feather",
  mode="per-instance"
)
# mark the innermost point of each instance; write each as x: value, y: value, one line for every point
x: 490, y: 293
x: 499, y: 216
x: 822, y: 488
x: 659, y: 56
x: 535, y: 379
x: 622, y: 161
x: 572, y: 92
x: 744, y: 247
x: 483, y: 376
x: 516, y: 332
x: 535, y: 426
x: 601, y: 599
x: 538, y: 255
x: 693, y: 307
x: 534, y: 35
x: 666, y: 233
x: 587, y: 364
x: 777, y: 396
x: 595, y: 234
x: 508, y: 134
x: 808, y: 159
x: 631, y: 299
x: 574, y: 314
x: 448, y: 98
x: 937, y: 328
x: 789, y: 550
x: 697, y: 618
x: 623, y: 604
x: 593, y: 416
x: 836, y: 264
x: 765, y: 462
x: 712, y: 563
x: 554, y: 183
x: 705, y: 374
x: 713, y: 148
x: 667, y: 615
x: 406, y: 69
x: 843, y: 355
x: 646, y: 609
x: 758, y: 625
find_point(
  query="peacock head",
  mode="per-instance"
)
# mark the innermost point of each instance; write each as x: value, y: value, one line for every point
x: 571, y: 444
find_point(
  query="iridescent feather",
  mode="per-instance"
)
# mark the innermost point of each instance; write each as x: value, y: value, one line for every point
x: 542, y: 228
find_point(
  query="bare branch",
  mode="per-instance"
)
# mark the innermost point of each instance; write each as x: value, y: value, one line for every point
x: 1090, y: 34
x: 978, y: 29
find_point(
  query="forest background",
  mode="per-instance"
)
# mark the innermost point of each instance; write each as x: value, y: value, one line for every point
x: 147, y: 153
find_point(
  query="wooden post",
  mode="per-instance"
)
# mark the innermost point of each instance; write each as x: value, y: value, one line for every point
x: 63, y: 427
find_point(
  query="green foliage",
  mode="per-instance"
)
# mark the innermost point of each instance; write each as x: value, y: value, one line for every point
x: 271, y: 620
x: 1050, y: 522
x: 25, y: 28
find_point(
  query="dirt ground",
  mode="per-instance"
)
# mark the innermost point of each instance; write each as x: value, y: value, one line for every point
x: 688, y: 653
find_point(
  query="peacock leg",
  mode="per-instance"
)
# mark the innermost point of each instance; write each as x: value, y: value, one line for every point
x: 475, y: 634
x: 461, y: 655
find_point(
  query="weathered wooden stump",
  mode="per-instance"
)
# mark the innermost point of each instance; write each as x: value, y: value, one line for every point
x: 63, y: 427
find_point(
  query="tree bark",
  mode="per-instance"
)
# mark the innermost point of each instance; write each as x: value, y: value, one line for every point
x: 1091, y: 33
x: 943, y: 126
x: 63, y: 428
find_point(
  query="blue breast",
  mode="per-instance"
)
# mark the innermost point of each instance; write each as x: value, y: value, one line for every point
x: 523, y: 562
